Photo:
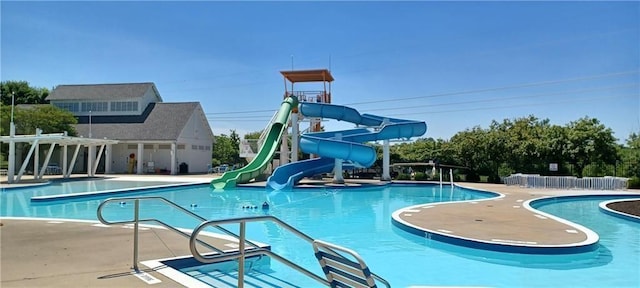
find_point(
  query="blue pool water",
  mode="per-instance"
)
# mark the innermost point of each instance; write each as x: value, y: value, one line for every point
x: 361, y: 220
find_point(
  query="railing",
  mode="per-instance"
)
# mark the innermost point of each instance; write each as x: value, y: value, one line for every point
x: 312, y: 96
x: 136, y: 221
x: 241, y: 254
x: 341, y: 271
x: 566, y: 182
x: 265, y: 131
x: 221, y: 255
x: 255, y: 143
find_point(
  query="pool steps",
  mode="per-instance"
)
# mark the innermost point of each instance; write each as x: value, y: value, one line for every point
x: 229, y: 246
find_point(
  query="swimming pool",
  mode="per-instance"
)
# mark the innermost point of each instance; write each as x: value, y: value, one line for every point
x: 361, y: 219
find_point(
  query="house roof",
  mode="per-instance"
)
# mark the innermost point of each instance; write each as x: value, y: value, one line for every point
x: 101, y: 91
x: 159, y: 122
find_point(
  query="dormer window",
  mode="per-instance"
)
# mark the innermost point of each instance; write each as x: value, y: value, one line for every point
x: 94, y: 106
x: 69, y: 106
x: 124, y: 106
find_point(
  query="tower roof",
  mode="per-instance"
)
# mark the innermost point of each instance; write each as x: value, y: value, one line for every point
x: 317, y: 75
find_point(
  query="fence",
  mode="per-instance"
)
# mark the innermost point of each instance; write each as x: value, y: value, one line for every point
x: 566, y: 182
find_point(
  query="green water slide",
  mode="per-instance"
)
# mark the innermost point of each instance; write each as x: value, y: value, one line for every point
x: 268, y: 149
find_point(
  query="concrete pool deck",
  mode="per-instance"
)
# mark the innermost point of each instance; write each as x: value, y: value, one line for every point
x: 57, y: 253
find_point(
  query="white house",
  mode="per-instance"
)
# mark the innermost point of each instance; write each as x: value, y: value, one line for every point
x: 153, y: 136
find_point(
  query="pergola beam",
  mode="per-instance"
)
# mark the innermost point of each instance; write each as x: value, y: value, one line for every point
x: 60, y: 139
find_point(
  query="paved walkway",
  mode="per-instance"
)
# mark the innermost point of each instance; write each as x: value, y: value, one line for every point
x: 80, y: 254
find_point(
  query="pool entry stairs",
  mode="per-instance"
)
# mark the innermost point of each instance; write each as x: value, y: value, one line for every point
x: 231, y: 259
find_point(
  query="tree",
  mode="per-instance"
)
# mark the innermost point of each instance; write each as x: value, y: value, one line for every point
x: 469, y: 150
x: 49, y: 118
x: 22, y: 93
x: 630, y: 155
x: 226, y: 149
x: 523, y: 147
x: 253, y: 135
x: 634, y: 141
x: 555, y: 142
x: 588, y: 141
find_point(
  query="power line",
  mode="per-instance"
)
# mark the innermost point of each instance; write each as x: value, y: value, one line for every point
x: 238, y: 112
x: 523, y: 85
x: 518, y: 105
x: 500, y: 88
x: 472, y: 109
x: 241, y: 117
x: 446, y: 104
x: 508, y: 98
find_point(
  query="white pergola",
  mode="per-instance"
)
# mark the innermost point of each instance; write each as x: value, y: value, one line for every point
x: 57, y: 139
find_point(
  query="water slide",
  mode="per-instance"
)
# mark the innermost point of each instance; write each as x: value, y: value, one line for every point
x: 263, y: 158
x: 346, y: 144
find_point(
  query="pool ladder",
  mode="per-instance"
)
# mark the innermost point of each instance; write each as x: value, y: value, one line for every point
x: 340, y: 270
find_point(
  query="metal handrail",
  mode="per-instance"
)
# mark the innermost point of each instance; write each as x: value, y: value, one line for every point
x: 332, y: 247
x: 264, y: 133
x: 241, y: 254
x: 136, y: 220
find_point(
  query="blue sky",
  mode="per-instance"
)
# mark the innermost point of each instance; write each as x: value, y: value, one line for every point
x: 455, y: 65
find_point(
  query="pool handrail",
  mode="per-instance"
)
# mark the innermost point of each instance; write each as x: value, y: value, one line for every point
x: 241, y: 254
x: 137, y: 220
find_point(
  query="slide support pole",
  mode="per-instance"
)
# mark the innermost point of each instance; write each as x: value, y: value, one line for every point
x: 337, y: 167
x: 386, y: 175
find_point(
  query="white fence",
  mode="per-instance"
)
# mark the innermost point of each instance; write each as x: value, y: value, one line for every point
x: 566, y: 182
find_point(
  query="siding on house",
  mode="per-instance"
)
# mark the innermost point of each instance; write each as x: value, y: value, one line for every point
x: 154, y: 124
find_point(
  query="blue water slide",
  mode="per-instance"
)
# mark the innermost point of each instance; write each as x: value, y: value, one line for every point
x: 286, y: 176
x: 345, y: 144
x: 337, y: 145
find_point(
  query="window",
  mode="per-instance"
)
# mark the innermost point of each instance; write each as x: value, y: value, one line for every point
x: 180, y: 146
x: 164, y: 147
x: 94, y: 106
x: 69, y: 106
x: 194, y: 147
x: 124, y: 106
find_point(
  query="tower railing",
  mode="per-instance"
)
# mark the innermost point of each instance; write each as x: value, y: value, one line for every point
x: 312, y: 96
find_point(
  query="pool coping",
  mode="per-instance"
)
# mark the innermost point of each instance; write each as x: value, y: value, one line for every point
x: 603, y: 207
x: 115, y: 192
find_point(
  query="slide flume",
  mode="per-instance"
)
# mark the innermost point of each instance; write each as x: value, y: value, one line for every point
x: 346, y: 144
x: 268, y: 149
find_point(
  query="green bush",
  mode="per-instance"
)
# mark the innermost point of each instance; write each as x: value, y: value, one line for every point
x: 494, y: 179
x: 420, y: 176
x: 472, y: 177
x: 504, y: 170
x: 403, y: 176
x: 598, y: 170
x: 634, y: 182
